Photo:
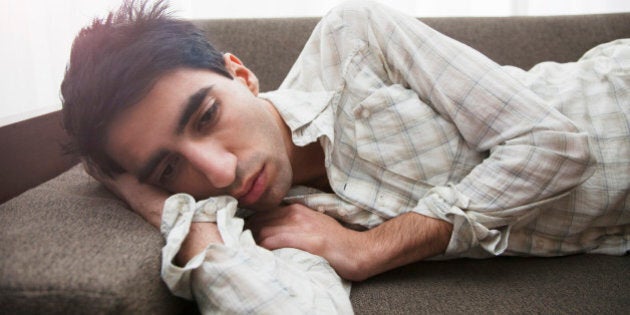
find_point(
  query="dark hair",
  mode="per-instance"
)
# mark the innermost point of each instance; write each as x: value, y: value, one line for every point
x: 114, y: 63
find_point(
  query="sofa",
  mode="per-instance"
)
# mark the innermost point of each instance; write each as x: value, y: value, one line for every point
x: 68, y: 246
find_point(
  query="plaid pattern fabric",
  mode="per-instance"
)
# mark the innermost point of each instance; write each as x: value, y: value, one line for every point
x: 239, y: 277
x: 595, y: 93
x: 522, y: 163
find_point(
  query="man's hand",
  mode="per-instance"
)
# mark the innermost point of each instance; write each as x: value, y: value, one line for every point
x: 144, y: 199
x: 354, y: 255
x: 297, y: 226
x: 148, y: 202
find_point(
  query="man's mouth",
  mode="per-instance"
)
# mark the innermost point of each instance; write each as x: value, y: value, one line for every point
x: 254, y: 188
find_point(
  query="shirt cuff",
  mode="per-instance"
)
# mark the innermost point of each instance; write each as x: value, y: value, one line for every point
x: 475, y: 235
x: 180, y: 210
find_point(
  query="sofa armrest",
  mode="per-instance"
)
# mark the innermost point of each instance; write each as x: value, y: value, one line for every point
x: 31, y: 154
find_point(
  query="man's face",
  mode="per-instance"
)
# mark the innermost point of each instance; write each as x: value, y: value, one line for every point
x: 204, y: 134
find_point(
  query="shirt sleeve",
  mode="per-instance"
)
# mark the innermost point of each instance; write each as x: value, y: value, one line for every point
x: 535, y: 154
x: 239, y: 277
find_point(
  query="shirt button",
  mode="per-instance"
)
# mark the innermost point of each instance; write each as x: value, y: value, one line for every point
x: 363, y: 113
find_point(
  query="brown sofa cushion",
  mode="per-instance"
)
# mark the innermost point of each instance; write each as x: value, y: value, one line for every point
x: 69, y: 246
x: 581, y: 284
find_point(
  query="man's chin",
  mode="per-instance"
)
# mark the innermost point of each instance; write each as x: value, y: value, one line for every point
x: 269, y: 201
x: 262, y: 206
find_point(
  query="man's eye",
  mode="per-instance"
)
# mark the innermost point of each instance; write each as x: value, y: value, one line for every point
x: 208, y: 117
x: 169, y: 172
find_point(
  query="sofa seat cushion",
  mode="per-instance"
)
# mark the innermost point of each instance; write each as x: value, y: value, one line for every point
x: 68, y: 246
x: 579, y: 284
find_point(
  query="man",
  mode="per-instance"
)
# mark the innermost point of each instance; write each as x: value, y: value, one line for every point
x: 432, y: 147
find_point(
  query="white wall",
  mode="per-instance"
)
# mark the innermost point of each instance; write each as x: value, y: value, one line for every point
x: 35, y: 39
x: 36, y: 35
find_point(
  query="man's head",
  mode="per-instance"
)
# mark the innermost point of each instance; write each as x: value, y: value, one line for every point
x: 115, y: 61
x: 148, y: 95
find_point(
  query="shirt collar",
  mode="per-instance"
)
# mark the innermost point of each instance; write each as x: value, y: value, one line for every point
x: 307, y: 114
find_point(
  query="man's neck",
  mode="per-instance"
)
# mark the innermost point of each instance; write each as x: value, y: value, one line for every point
x: 309, y: 167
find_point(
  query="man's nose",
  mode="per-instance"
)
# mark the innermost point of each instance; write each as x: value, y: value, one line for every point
x: 216, y: 163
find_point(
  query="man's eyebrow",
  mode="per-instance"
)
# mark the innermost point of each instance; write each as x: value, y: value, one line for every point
x: 193, y: 104
x: 148, y: 169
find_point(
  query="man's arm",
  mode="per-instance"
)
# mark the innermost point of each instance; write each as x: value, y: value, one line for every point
x: 354, y: 255
x: 535, y: 153
x: 238, y: 278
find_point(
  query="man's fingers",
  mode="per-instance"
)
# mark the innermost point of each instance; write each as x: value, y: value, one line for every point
x: 88, y: 167
x: 278, y: 216
x: 273, y: 237
x: 93, y: 170
x: 265, y: 228
x: 292, y: 239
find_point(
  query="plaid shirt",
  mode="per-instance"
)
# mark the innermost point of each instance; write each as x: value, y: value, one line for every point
x: 521, y: 163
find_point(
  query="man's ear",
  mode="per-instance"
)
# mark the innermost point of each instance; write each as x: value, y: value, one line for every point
x: 241, y: 73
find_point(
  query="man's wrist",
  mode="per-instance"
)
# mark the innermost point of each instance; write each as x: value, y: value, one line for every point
x: 144, y: 199
x: 402, y: 240
x: 357, y: 260
x: 200, y: 236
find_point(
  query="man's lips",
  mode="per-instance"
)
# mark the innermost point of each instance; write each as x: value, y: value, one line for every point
x: 254, y: 188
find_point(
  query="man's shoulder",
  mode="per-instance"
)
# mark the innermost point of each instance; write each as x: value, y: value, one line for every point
x: 355, y: 10
x: 358, y: 6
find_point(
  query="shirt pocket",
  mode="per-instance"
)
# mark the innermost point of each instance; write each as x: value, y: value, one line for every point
x: 396, y: 130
